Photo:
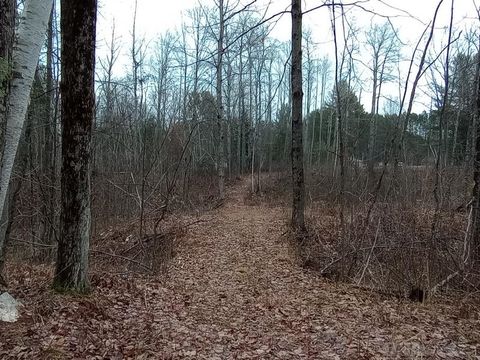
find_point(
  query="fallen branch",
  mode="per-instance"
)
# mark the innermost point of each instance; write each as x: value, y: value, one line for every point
x: 370, y: 253
x: 121, y: 257
x: 444, y: 282
x: 35, y: 243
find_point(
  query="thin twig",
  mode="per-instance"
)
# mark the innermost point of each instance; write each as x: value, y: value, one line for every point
x: 370, y: 254
x: 121, y: 257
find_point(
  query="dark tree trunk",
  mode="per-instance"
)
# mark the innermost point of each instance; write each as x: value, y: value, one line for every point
x: 298, y: 204
x: 78, y: 23
x: 47, y: 224
x: 475, y: 242
x: 7, y: 30
x: 371, y: 126
x: 221, y: 136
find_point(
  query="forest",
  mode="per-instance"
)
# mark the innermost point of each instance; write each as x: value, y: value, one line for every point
x: 216, y: 190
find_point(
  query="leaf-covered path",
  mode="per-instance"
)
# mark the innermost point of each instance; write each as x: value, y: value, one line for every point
x: 234, y: 291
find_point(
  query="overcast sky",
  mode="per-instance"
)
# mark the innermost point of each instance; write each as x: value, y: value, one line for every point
x: 155, y: 17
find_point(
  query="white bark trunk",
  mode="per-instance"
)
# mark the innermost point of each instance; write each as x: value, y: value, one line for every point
x: 31, y: 34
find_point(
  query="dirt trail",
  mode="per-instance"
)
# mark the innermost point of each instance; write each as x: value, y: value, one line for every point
x: 234, y: 290
x: 248, y: 298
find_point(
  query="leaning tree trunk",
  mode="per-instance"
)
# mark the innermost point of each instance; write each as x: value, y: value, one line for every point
x: 30, y: 35
x: 78, y: 23
x: 298, y: 203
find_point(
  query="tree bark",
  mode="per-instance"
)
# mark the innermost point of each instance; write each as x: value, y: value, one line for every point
x: 339, y: 123
x: 373, y: 113
x: 7, y: 30
x: 475, y: 240
x: 13, y: 192
x: 78, y: 23
x: 47, y: 223
x: 31, y: 33
x: 221, y: 136
x: 298, y: 203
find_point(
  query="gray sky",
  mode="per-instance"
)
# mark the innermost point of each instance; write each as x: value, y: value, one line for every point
x: 155, y: 17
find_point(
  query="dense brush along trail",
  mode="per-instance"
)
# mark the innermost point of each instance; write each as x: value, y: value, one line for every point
x: 233, y: 290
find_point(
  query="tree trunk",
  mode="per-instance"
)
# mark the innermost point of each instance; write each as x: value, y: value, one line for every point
x: 31, y: 33
x: 340, y: 149
x: 373, y: 113
x: 13, y: 191
x: 78, y: 23
x: 475, y: 241
x: 7, y: 30
x: 48, y: 202
x: 220, y: 145
x: 298, y: 204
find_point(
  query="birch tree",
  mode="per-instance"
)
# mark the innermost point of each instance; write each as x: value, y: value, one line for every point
x: 30, y: 36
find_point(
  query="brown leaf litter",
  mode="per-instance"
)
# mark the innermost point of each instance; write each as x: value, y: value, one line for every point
x: 233, y: 291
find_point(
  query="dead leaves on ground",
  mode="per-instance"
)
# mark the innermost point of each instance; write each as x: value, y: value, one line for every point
x: 233, y: 291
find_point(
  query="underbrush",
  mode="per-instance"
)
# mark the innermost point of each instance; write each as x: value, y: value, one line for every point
x: 125, y: 238
x: 122, y: 249
x: 117, y: 197
x: 394, y: 239
x: 396, y: 251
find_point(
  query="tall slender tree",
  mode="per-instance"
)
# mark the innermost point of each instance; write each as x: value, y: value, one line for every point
x: 298, y: 204
x: 7, y: 30
x: 475, y: 241
x: 381, y: 41
x: 221, y: 136
x: 47, y: 223
x: 78, y: 24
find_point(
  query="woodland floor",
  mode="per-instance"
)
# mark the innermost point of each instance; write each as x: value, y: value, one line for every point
x: 233, y: 290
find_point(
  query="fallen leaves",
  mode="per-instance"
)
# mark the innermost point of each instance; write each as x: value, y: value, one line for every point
x: 234, y: 290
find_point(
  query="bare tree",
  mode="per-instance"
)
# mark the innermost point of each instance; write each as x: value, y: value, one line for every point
x: 420, y: 73
x: 107, y: 83
x: 47, y: 222
x: 475, y: 236
x: 219, y: 74
x: 382, y: 43
x: 298, y: 204
x: 339, y: 113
